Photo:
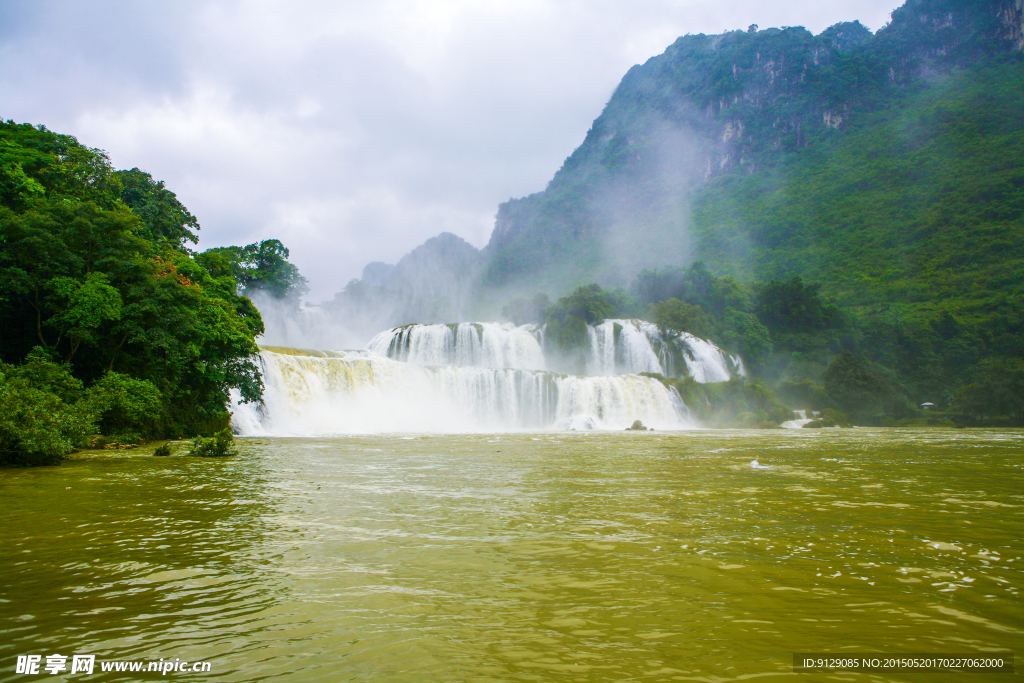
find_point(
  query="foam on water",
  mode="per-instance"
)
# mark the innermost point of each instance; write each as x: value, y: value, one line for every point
x: 466, y: 377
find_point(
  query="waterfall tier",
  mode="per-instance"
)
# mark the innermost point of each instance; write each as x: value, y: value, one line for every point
x: 320, y: 393
x: 615, y: 347
x: 632, y: 346
x: 468, y: 345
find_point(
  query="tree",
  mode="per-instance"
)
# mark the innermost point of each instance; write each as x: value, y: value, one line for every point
x: 81, y: 309
x: 851, y: 385
x: 42, y: 414
x: 792, y: 306
x: 159, y: 209
x: 998, y: 390
x: 673, y: 316
x: 743, y: 332
x: 589, y: 303
x: 566, y: 325
x: 94, y: 271
x: 127, y: 408
x: 257, y: 267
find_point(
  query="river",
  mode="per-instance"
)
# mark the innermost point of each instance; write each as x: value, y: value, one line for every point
x: 550, y: 556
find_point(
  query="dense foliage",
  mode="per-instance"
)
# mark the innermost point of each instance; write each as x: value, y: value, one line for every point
x: 257, y: 267
x: 107, y: 320
x: 735, y: 403
x: 792, y: 337
x: 217, y: 446
x: 43, y: 412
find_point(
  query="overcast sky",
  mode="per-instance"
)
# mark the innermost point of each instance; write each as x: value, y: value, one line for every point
x: 352, y: 131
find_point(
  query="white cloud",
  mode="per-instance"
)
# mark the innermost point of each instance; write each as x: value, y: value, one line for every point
x: 352, y: 131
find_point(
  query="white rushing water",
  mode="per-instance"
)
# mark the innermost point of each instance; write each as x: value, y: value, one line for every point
x: 479, y: 345
x: 321, y: 393
x: 615, y: 347
x: 632, y: 346
x: 469, y: 377
x: 799, y: 422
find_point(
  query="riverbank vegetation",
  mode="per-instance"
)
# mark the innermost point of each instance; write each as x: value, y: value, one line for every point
x: 805, y: 351
x: 109, y: 321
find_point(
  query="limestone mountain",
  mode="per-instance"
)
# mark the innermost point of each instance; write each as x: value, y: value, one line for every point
x: 699, y: 145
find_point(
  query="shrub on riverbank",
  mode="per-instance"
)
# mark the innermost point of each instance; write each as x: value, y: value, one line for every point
x: 42, y: 415
x: 219, y: 445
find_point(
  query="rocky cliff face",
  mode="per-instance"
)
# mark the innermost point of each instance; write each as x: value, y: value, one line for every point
x: 731, y: 103
x: 1011, y: 15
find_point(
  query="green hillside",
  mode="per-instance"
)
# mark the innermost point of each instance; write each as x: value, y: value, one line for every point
x: 882, y: 170
x: 915, y: 208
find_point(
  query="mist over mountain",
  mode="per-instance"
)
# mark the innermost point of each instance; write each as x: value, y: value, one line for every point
x: 732, y: 105
x: 683, y: 127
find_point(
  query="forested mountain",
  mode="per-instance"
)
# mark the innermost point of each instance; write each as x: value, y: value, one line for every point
x: 701, y: 149
x: 845, y: 191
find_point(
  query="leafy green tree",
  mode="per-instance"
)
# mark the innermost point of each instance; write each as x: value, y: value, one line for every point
x: 852, y: 386
x: 219, y: 445
x: 58, y: 164
x: 566, y: 325
x: 744, y: 333
x: 82, y: 308
x: 159, y: 209
x: 675, y: 316
x: 42, y: 416
x: 16, y: 186
x: 793, y: 307
x: 589, y: 303
x: 805, y: 394
x: 94, y: 271
x: 997, y: 391
x: 128, y: 408
x: 695, y: 285
x: 41, y: 371
x: 258, y: 267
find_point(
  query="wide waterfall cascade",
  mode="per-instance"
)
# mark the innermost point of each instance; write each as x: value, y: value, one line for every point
x: 614, y: 347
x: 321, y: 393
x: 631, y: 346
x: 482, y: 345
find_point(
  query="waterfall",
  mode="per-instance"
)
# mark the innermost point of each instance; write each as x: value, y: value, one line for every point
x: 800, y: 421
x: 623, y: 347
x: 480, y: 345
x: 467, y: 377
x: 620, y: 347
x: 615, y: 347
x: 318, y: 393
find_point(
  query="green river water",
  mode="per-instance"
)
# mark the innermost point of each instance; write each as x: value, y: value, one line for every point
x: 522, y: 557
